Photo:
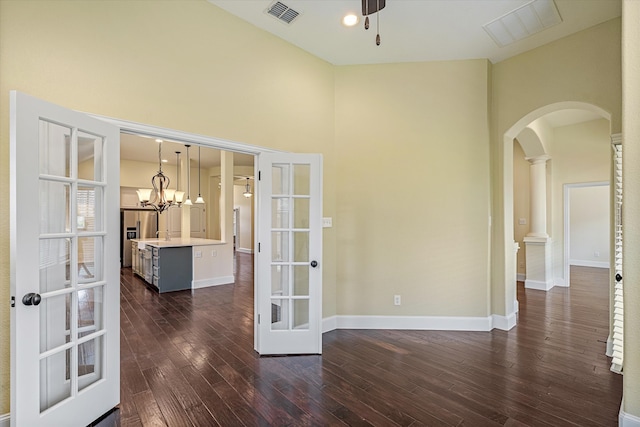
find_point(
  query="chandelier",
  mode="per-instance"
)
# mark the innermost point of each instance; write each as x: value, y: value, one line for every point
x: 160, y: 197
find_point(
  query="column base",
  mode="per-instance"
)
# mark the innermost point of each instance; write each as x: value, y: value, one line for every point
x: 539, y: 275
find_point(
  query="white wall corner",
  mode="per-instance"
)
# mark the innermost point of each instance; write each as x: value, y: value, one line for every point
x: 329, y: 324
x: 627, y: 420
x: 425, y: 323
x: 5, y: 420
x: 504, y: 323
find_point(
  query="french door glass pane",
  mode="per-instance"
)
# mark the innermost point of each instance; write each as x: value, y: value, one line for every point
x: 54, y: 383
x: 89, y: 259
x: 280, y: 179
x: 54, y: 155
x: 279, y: 314
x: 301, y: 314
x: 54, y: 258
x: 90, y: 361
x: 55, y: 314
x: 301, y: 280
x: 280, y: 246
x: 280, y: 213
x: 279, y: 280
x: 90, y: 311
x: 301, y: 213
x: 301, y: 246
x: 54, y: 202
x: 90, y: 157
x: 301, y: 179
x: 89, y: 201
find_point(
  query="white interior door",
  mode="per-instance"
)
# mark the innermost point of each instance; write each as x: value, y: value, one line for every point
x: 65, y: 324
x: 289, y: 258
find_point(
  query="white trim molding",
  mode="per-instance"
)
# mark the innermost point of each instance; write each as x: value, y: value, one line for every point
x: 424, y: 323
x: 216, y: 281
x: 627, y: 420
x: 586, y: 263
x: 538, y: 285
x: 521, y: 277
x: 5, y: 420
x: 244, y: 250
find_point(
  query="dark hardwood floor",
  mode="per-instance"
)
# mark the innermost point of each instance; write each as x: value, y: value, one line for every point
x: 187, y: 359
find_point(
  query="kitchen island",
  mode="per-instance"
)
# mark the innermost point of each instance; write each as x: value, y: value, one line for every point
x: 181, y: 263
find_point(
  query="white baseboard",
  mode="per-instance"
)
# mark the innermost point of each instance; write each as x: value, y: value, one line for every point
x: 584, y: 263
x: 5, y: 420
x: 627, y: 420
x: 329, y: 324
x: 504, y: 323
x: 521, y: 277
x: 244, y: 250
x: 216, y: 281
x: 426, y: 323
x: 538, y: 284
x: 558, y: 281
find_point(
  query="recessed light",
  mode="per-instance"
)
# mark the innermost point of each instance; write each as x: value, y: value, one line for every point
x: 165, y: 161
x: 350, y: 20
x: 158, y: 140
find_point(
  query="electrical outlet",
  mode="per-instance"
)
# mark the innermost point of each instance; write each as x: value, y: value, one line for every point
x: 596, y: 254
x: 397, y: 300
x: 198, y: 254
x: 214, y: 253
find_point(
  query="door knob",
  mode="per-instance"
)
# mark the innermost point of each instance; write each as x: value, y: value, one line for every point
x: 314, y: 264
x: 31, y: 299
x: 618, y: 277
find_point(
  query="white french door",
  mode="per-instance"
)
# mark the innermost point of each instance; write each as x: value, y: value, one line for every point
x: 289, y: 257
x: 65, y: 289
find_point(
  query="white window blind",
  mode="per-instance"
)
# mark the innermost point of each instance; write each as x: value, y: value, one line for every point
x: 618, y: 300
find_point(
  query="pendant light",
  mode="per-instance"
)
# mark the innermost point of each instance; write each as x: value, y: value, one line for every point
x: 162, y: 196
x: 188, y: 201
x: 247, y: 190
x: 199, y: 199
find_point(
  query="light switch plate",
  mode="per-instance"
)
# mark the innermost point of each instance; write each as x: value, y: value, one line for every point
x: 327, y: 222
x: 522, y: 221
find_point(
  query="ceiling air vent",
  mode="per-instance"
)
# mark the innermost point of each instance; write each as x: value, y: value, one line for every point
x: 283, y: 12
x: 528, y: 19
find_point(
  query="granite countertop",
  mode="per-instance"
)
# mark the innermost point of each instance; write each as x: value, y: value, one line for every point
x: 177, y: 242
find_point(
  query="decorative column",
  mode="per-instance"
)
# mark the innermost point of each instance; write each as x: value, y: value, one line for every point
x: 537, y: 241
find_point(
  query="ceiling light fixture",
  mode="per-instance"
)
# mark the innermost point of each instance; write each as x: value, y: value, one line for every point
x: 188, y: 201
x: 199, y: 200
x: 247, y: 190
x: 350, y: 20
x: 162, y: 196
x: 369, y: 7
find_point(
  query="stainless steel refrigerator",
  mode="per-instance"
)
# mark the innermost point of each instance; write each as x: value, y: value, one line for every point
x: 135, y: 224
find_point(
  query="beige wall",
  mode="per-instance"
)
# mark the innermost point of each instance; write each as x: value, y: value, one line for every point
x: 413, y: 206
x: 182, y: 65
x: 631, y: 205
x: 583, y: 67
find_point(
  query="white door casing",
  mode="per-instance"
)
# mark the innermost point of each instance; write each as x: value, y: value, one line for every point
x: 64, y: 239
x: 289, y: 256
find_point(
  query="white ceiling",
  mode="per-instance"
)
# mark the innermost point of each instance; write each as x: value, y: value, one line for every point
x: 412, y: 30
